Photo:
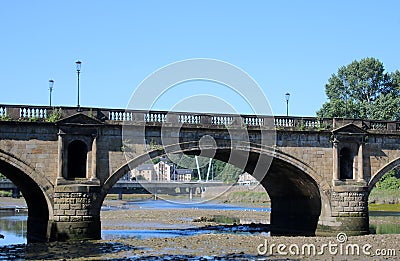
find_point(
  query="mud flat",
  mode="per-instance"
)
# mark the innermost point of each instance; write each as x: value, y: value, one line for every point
x: 180, y: 218
x: 212, y: 247
x: 206, y: 246
x: 233, y: 246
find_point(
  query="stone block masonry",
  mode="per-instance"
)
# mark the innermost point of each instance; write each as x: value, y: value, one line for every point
x: 350, y: 209
x: 75, y: 216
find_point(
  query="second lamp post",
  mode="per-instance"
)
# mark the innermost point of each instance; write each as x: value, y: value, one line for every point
x: 287, y: 96
x: 51, y: 84
x: 78, y: 70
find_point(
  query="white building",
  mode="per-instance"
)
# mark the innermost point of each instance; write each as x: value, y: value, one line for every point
x: 160, y: 171
x: 247, y: 179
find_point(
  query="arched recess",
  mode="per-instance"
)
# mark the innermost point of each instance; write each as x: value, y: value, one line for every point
x: 296, y: 190
x: 77, y: 159
x: 385, y: 169
x: 346, y: 161
x: 37, y: 191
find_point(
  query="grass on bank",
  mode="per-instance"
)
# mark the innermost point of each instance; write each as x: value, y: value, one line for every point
x: 247, y: 197
x: 384, y: 200
x: 384, y: 207
x: 5, y: 193
x: 129, y: 197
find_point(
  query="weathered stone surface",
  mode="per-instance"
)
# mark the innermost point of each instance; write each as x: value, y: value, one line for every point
x: 35, y: 156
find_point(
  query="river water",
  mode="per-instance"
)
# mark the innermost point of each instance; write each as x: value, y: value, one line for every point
x: 13, y: 222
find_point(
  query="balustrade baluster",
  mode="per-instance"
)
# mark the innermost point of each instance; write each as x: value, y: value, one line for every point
x: 3, y: 112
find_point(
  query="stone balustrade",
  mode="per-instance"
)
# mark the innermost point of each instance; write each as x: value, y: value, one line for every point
x: 189, y: 119
x: 121, y: 116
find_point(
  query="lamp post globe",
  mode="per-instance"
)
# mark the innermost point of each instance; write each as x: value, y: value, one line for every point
x: 51, y: 84
x: 287, y: 96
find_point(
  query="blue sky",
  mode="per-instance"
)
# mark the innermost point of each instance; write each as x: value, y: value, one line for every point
x: 286, y: 46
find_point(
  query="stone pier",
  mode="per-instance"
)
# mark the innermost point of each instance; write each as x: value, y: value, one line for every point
x: 75, y: 216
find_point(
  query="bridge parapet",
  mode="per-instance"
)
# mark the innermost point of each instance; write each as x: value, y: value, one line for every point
x: 122, y: 116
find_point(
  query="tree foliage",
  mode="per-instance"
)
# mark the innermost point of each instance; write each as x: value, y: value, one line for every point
x: 390, y: 181
x: 363, y: 89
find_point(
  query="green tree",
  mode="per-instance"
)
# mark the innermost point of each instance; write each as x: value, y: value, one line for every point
x: 390, y: 181
x: 229, y: 173
x: 363, y: 89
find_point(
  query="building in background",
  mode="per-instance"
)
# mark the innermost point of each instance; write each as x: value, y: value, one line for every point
x: 247, y: 179
x: 144, y: 172
x: 162, y: 171
x: 182, y: 175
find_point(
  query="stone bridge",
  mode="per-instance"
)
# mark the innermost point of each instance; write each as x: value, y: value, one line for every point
x: 317, y: 172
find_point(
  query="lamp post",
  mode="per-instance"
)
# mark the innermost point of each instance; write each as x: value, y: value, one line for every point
x: 51, y: 84
x: 78, y: 70
x: 287, y: 96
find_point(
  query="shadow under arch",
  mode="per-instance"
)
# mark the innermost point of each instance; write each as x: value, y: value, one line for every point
x: 295, y: 189
x: 385, y: 169
x: 35, y: 189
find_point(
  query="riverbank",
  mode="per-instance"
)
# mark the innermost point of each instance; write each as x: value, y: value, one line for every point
x: 9, y: 201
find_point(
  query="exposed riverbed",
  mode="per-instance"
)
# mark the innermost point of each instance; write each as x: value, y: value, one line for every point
x: 158, y: 230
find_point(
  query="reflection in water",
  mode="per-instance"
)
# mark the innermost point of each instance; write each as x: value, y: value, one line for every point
x: 384, y: 222
x: 13, y: 223
x: 385, y: 228
x: 13, y: 226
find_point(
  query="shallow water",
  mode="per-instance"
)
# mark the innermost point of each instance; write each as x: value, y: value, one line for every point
x: 163, y: 204
x: 13, y: 224
x: 169, y: 231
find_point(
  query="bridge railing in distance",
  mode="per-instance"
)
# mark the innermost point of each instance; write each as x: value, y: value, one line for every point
x: 302, y: 123
x: 121, y: 116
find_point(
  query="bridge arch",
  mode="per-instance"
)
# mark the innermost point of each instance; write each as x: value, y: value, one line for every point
x: 381, y: 172
x: 37, y: 191
x: 298, y: 193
